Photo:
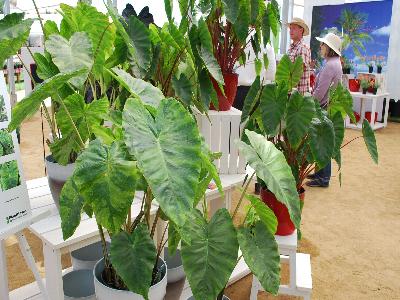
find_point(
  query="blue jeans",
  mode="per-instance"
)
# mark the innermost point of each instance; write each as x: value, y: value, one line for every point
x: 324, y: 175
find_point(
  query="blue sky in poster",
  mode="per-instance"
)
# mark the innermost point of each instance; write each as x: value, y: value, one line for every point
x: 378, y: 14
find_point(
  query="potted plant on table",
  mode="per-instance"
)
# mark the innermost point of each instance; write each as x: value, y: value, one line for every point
x: 308, y: 136
x: 364, y: 85
x: 375, y: 87
x: 234, y: 26
x: 370, y: 66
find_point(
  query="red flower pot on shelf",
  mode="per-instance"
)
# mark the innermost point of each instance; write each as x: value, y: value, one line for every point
x: 368, y: 116
x: 230, y: 88
x: 354, y: 85
x: 285, y: 224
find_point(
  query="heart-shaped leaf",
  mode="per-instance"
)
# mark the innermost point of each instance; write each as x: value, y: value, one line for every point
x: 71, y: 204
x: 271, y: 167
x: 106, y: 178
x: 71, y: 55
x: 167, y: 149
x: 14, y: 32
x: 266, y: 215
x: 322, y: 140
x: 211, y: 64
x: 29, y: 105
x: 231, y: 9
x: 183, y: 89
x: 289, y: 72
x: 300, y: 112
x: 260, y: 252
x: 249, y: 100
x: 211, y: 257
x: 338, y: 127
x: 147, y: 92
x: 273, y: 104
x: 370, y: 141
x: 133, y: 257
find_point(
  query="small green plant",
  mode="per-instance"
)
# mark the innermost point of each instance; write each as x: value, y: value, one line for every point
x: 6, y: 143
x: 364, y: 84
x: 9, y: 175
x: 3, y: 112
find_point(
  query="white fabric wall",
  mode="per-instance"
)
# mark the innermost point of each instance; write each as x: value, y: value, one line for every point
x: 392, y: 76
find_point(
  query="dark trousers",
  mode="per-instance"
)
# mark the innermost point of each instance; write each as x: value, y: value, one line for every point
x: 324, y: 175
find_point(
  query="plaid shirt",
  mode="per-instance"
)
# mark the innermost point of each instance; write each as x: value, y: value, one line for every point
x: 301, y: 49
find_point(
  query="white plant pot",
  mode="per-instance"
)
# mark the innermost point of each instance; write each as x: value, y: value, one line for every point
x: 57, y: 175
x: 86, y: 258
x: 103, y: 292
x: 224, y: 298
x: 174, y: 265
x: 79, y: 285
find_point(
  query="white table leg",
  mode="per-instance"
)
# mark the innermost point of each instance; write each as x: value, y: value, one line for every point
x: 255, y: 287
x: 27, y: 253
x: 362, y: 110
x: 4, y: 293
x: 385, y: 117
x: 53, y: 269
x: 292, y: 270
x: 373, y: 110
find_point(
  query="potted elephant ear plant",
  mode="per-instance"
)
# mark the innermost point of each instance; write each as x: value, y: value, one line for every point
x: 74, y: 80
x: 233, y: 26
x: 308, y: 136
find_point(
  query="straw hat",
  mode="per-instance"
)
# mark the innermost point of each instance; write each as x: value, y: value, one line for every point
x: 333, y: 41
x: 301, y: 23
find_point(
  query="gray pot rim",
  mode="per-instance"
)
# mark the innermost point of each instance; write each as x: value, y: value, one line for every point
x: 124, y: 291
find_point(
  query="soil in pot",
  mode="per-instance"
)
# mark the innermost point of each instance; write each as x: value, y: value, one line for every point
x: 174, y: 265
x: 104, y: 292
x: 57, y: 175
x: 79, y: 285
x: 230, y: 88
x: 285, y: 224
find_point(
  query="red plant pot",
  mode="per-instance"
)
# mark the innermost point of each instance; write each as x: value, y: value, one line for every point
x: 285, y: 224
x: 368, y: 116
x: 354, y: 85
x: 230, y: 88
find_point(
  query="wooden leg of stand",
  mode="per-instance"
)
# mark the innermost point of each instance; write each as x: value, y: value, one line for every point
x: 4, y: 293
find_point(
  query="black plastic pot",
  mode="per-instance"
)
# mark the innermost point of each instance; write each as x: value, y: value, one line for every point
x: 379, y: 69
x: 364, y: 91
x: 370, y: 69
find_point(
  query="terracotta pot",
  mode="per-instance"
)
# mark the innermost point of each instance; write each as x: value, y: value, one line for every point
x: 230, y: 87
x: 354, y: 85
x: 285, y: 225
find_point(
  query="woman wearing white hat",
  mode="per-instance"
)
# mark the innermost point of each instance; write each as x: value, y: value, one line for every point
x: 330, y: 75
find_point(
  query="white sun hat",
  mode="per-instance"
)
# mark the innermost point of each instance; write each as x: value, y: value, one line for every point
x: 333, y: 41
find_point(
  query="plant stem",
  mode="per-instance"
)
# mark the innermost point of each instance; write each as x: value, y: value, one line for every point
x: 40, y: 18
x: 242, y: 195
x: 147, y: 206
x: 160, y: 247
x: 27, y: 70
x: 104, y: 246
x: 72, y: 121
x: 351, y: 141
x: 153, y: 228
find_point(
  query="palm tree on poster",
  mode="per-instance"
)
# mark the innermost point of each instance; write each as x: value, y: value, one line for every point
x: 353, y: 32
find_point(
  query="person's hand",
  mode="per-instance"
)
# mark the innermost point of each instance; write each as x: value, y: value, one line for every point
x: 312, y: 64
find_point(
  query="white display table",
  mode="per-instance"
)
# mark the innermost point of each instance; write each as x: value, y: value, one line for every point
x: 363, y: 98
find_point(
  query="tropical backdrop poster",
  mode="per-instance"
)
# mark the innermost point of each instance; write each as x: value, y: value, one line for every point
x: 364, y: 28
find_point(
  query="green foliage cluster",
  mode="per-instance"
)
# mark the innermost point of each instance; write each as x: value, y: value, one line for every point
x: 6, y: 143
x: 9, y: 175
x: 3, y: 111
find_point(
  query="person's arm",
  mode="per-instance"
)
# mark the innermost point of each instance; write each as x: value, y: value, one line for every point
x: 323, y: 84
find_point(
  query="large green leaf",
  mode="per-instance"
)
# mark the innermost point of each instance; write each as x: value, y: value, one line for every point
x: 45, y: 66
x: 266, y: 29
x: 273, y: 19
x: 254, y: 10
x: 211, y: 257
x: 266, y: 215
x: 249, y: 100
x: 204, y: 35
x: 14, y: 32
x: 370, y: 141
x: 147, y: 92
x: 168, y: 6
x: 106, y: 178
x: 133, y: 257
x: 289, y: 72
x: 86, y: 18
x: 211, y: 64
x: 85, y: 116
x: 168, y: 152
x: 62, y: 148
x: 241, y: 25
x: 338, y: 127
x: 273, y: 104
x: 71, y: 55
x: 71, y: 204
x: 270, y: 165
x: 183, y: 89
x: 207, y: 91
x: 29, y: 105
x: 260, y: 251
x: 341, y: 101
x: 140, y: 40
x: 322, y: 140
x: 50, y: 27
x: 231, y: 9
x: 300, y: 112
x: 173, y: 238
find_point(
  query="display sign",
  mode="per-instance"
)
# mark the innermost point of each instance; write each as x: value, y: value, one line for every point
x: 14, y: 199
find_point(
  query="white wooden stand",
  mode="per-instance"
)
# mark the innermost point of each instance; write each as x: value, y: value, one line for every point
x: 26, y: 252
x: 363, y: 102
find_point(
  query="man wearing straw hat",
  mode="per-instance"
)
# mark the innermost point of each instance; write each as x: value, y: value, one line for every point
x: 298, y: 28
